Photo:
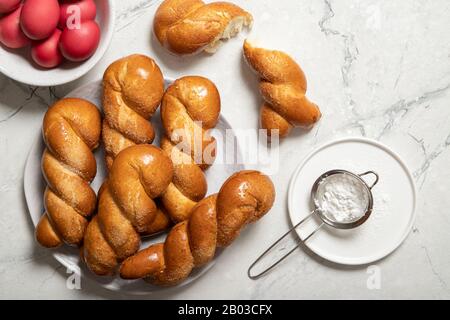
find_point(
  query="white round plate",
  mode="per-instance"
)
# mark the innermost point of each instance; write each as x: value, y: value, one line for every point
x: 18, y: 65
x: 34, y: 186
x: 394, y: 202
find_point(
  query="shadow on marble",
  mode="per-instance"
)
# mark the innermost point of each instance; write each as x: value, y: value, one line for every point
x: 19, y: 97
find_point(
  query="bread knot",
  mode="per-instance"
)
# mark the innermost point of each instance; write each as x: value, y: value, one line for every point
x: 283, y: 87
x: 189, y: 110
x: 71, y: 132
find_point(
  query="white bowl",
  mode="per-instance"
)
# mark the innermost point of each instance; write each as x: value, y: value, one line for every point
x: 18, y: 65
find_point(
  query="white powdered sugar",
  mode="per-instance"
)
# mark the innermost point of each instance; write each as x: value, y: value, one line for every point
x: 342, y: 198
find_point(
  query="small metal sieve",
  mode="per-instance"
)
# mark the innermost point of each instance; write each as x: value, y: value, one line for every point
x: 325, y: 220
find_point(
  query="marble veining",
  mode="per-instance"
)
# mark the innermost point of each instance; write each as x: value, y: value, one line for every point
x: 351, y: 51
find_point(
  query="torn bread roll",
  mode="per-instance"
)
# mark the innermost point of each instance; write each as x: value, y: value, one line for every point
x: 132, y: 91
x: 191, y: 26
x: 215, y: 222
x: 283, y: 87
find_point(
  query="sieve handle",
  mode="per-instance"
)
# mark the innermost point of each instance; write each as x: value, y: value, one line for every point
x: 377, y: 178
x: 256, y: 276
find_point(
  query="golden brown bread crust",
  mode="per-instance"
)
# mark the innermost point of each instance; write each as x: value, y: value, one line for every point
x: 215, y: 222
x: 132, y: 91
x: 283, y: 87
x: 126, y: 208
x: 190, y: 26
x: 190, y: 107
x: 71, y: 130
x: 244, y: 198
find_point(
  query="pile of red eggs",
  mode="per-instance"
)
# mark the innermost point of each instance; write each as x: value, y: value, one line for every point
x: 54, y: 29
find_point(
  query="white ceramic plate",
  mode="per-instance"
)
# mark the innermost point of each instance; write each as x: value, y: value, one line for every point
x: 34, y: 186
x: 394, y: 202
x: 18, y: 65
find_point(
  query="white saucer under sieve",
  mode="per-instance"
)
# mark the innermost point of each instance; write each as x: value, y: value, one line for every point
x: 319, y: 202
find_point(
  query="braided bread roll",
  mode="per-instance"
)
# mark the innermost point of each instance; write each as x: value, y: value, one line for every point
x: 191, y: 26
x: 283, y: 87
x: 132, y: 91
x: 190, y: 107
x: 126, y: 209
x: 215, y: 222
x: 71, y: 130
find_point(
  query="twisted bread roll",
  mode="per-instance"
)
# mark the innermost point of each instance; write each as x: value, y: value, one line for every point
x: 215, y: 222
x: 283, y: 87
x: 190, y: 107
x: 126, y: 208
x: 191, y: 26
x: 132, y: 91
x: 71, y: 130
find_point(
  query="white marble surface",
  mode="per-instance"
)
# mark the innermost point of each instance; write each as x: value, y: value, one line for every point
x: 379, y: 69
